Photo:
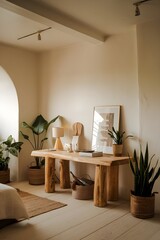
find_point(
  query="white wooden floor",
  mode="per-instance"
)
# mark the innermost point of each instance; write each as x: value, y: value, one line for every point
x: 81, y: 220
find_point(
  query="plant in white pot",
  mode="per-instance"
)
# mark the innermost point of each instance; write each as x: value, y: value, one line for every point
x: 118, y: 140
x: 7, y: 148
x: 38, y: 129
x: 145, y: 176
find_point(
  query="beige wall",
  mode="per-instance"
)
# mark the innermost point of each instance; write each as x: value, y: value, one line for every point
x: 79, y: 77
x: 149, y: 88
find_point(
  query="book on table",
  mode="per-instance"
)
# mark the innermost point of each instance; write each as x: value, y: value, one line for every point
x: 90, y: 154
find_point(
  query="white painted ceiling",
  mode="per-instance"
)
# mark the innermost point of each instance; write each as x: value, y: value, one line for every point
x: 72, y: 21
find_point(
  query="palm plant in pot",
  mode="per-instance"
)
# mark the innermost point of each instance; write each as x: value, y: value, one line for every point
x: 38, y: 128
x: 145, y: 176
x: 118, y: 139
x: 7, y: 148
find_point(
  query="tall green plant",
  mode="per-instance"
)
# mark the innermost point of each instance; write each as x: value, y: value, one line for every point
x: 117, y: 136
x: 145, y: 175
x: 38, y: 129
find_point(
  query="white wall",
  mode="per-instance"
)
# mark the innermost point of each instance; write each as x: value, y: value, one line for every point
x: 79, y: 77
x: 9, y: 116
x: 148, y: 36
x: 21, y: 66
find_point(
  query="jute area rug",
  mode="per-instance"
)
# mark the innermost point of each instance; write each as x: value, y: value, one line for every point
x: 34, y: 205
x: 37, y: 205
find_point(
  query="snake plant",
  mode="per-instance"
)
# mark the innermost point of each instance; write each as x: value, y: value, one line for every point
x: 144, y: 173
x: 117, y: 136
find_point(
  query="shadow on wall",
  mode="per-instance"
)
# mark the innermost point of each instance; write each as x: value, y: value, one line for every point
x: 9, y: 115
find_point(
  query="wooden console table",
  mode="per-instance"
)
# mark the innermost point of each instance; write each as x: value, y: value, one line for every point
x: 106, y: 173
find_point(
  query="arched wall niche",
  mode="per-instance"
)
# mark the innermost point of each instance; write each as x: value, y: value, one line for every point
x: 9, y: 116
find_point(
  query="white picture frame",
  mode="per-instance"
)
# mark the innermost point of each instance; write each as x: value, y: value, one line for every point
x: 104, y: 118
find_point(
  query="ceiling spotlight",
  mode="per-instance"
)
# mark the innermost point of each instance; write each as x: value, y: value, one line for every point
x: 39, y: 36
x: 137, y: 11
x: 136, y: 4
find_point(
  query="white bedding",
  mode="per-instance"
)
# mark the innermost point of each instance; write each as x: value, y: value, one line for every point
x: 11, y: 204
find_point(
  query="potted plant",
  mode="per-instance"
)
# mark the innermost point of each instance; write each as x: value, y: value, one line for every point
x: 145, y: 175
x: 7, y: 147
x: 38, y: 129
x: 118, y: 139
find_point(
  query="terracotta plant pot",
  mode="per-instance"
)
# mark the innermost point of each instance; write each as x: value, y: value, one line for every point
x: 36, y: 176
x: 117, y: 149
x: 142, y: 207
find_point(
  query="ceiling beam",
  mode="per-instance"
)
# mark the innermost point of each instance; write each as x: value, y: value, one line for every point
x: 52, y: 18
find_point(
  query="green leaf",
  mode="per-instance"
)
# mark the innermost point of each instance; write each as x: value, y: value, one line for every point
x: 17, y: 145
x: 39, y: 125
x: 13, y: 151
x: 146, y: 156
x: 136, y: 162
x: 132, y: 168
x: 52, y: 121
x: 8, y: 141
x: 24, y: 135
x: 25, y: 125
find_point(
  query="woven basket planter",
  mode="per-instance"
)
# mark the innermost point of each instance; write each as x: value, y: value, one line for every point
x: 5, y: 176
x: 117, y: 149
x: 36, y: 176
x: 142, y: 207
x: 83, y: 192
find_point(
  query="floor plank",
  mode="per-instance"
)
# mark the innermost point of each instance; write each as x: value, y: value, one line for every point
x: 115, y: 229
x: 93, y: 224
x: 146, y: 229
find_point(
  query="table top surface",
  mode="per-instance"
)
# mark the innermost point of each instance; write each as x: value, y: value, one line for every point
x: 105, y: 160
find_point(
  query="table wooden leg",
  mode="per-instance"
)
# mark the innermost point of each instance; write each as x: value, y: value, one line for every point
x: 112, y: 183
x: 100, y: 186
x: 49, y: 174
x: 64, y: 174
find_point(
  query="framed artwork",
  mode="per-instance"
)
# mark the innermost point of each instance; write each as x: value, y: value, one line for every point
x: 104, y: 118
